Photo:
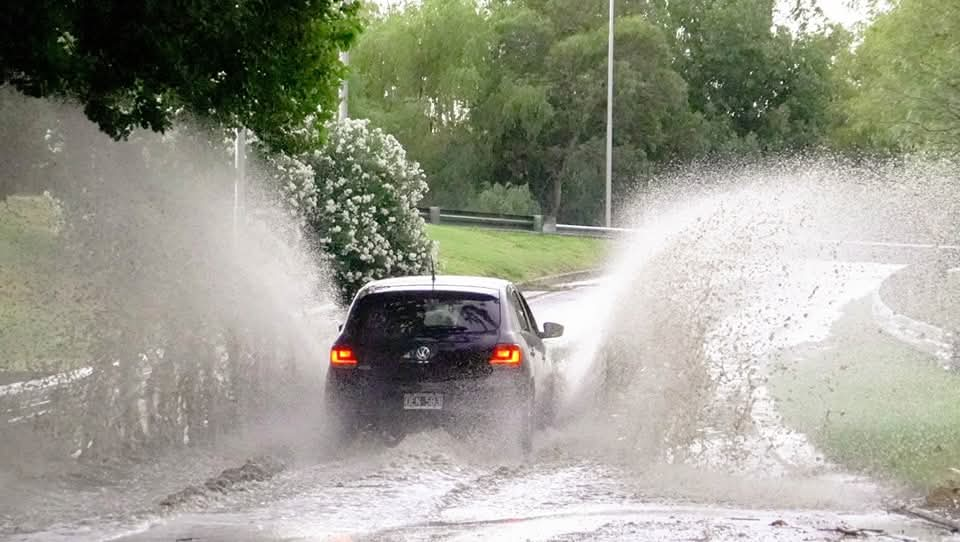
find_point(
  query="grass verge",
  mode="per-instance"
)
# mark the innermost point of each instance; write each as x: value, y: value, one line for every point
x: 39, y: 312
x: 872, y: 403
x: 516, y: 256
x: 41, y: 317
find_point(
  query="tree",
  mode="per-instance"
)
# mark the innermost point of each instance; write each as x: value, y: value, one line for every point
x: 545, y: 105
x: 417, y: 75
x: 264, y: 64
x: 751, y: 75
x: 904, y: 80
x: 514, y: 92
x: 499, y: 198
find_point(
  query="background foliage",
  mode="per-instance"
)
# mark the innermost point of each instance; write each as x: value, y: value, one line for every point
x: 903, y: 81
x: 507, y: 199
x: 514, y: 93
x: 264, y: 64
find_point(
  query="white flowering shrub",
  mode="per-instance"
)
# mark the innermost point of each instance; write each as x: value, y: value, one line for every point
x: 359, y: 194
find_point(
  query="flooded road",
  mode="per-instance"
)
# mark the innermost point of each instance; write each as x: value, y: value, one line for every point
x: 421, y: 494
x: 435, y: 487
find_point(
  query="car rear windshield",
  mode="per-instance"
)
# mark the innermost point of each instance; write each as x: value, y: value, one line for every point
x: 400, y: 315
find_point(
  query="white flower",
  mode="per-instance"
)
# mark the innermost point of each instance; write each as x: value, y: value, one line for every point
x: 360, y: 193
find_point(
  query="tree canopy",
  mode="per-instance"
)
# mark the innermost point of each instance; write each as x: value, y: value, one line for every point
x: 544, y: 116
x: 515, y: 92
x: 904, y: 80
x: 263, y: 64
x: 758, y: 79
x: 506, y: 93
x: 417, y: 74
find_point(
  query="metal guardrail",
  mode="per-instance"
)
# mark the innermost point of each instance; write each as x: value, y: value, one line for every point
x: 530, y: 223
x: 534, y: 223
x: 22, y: 402
x: 435, y: 215
x: 590, y: 231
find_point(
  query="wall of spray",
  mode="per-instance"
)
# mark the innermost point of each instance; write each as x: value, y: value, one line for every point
x: 194, y: 336
x: 676, y: 357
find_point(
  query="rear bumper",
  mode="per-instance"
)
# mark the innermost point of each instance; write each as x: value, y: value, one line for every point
x: 368, y: 399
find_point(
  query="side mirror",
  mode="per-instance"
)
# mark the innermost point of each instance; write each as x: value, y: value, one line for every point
x: 551, y: 330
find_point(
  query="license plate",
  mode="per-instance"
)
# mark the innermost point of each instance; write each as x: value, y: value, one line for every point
x: 422, y: 401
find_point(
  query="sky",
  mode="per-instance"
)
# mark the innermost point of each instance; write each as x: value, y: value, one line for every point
x: 840, y: 11
x: 836, y: 10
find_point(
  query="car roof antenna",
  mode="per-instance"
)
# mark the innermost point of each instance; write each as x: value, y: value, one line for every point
x: 433, y: 274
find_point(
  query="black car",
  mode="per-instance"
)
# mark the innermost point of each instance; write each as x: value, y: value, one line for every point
x: 444, y: 350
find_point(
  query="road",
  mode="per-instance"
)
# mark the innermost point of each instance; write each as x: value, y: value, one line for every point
x: 436, y: 487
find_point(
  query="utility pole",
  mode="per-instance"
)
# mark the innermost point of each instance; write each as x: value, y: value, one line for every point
x: 233, y: 332
x: 239, y: 181
x: 609, y: 175
x: 342, y: 114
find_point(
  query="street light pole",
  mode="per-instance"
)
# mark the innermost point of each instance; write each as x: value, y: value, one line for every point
x: 239, y: 184
x: 239, y: 181
x: 342, y: 114
x: 609, y: 172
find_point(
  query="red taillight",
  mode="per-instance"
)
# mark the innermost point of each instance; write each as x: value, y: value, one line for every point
x: 506, y: 354
x: 342, y: 356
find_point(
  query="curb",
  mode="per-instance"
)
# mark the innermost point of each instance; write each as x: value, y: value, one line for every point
x: 922, y: 336
x: 549, y: 281
x: 42, y: 383
x: 928, y: 515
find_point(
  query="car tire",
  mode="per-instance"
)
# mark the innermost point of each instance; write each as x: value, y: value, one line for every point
x: 337, y: 431
x: 391, y: 438
x: 339, y: 427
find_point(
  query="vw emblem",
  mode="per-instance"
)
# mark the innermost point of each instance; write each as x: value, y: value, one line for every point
x: 422, y: 353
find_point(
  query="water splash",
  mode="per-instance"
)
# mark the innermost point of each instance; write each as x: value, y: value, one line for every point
x: 727, y: 266
x: 199, y: 327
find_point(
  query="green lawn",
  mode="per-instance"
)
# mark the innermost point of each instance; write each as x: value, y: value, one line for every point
x: 516, y: 256
x: 39, y: 313
x: 41, y: 317
x: 873, y: 403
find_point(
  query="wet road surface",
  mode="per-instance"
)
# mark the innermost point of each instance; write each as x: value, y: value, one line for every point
x: 436, y: 487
